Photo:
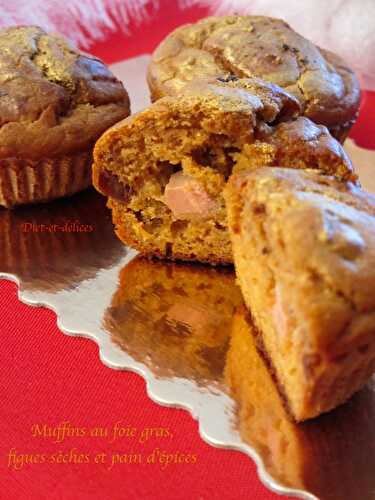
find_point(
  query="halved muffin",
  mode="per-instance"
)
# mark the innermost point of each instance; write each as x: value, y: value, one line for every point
x: 165, y: 168
x: 304, y: 251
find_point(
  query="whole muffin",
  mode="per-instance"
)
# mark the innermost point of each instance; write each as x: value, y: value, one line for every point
x: 54, y: 104
x: 264, y: 47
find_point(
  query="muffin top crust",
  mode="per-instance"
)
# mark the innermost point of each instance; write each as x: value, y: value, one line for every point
x: 54, y: 99
x: 257, y: 122
x: 248, y: 46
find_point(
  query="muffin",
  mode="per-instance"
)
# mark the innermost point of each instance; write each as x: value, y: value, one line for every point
x: 264, y: 47
x: 175, y: 318
x: 304, y: 251
x: 55, y: 103
x: 164, y: 169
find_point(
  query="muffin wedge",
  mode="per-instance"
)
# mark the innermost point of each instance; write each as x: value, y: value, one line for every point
x: 304, y: 251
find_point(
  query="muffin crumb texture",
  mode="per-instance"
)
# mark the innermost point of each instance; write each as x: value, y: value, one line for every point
x: 304, y: 251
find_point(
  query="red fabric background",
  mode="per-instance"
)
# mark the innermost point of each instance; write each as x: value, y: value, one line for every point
x: 47, y: 377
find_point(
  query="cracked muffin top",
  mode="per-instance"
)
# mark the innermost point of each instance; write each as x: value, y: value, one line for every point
x: 53, y: 99
x: 247, y: 46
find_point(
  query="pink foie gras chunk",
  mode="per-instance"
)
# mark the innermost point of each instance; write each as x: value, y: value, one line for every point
x: 186, y: 197
x: 188, y: 314
x: 201, y: 321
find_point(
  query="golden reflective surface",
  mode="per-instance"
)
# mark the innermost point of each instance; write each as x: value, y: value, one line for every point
x: 176, y: 318
x: 184, y: 328
x: 331, y: 456
x: 59, y: 244
x: 188, y: 321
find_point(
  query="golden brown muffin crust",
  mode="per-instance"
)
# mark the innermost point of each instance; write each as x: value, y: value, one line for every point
x: 54, y: 99
x: 264, y: 47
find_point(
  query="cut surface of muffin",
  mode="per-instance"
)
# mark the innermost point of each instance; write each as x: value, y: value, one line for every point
x: 264, y: 47
x: 165, y: 168
x: 304, y: 251
x: 55, y: 103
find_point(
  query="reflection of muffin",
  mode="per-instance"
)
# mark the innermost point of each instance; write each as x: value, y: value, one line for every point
x: 331, y: 456
x: 304, y: 249
x: 262, y: 418
x: 164, y: 169
x: 55, y: 102
x: 248, y: 46
x: 59, y: 244
x: 175, y: 318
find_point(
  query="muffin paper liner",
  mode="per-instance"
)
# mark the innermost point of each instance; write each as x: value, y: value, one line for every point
x: 29, y: 181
